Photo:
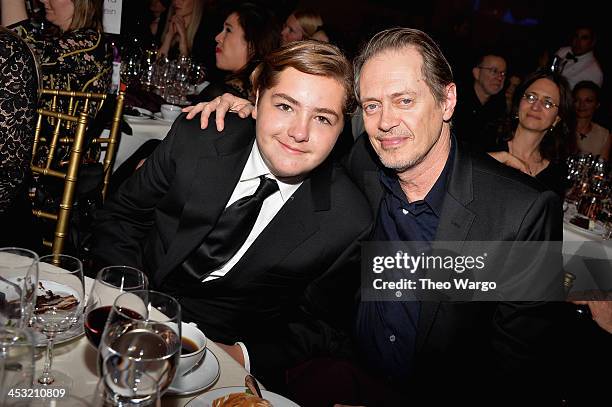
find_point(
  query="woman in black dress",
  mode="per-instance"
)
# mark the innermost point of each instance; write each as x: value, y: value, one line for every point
x: 539, y: 129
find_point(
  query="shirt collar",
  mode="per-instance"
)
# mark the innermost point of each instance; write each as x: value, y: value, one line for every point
x: 256, y: 167
x: 434, y: 198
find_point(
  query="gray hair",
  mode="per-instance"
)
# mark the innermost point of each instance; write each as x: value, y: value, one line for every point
x: 436, y: 70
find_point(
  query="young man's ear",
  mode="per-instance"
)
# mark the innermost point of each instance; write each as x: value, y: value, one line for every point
x: 254, y: 114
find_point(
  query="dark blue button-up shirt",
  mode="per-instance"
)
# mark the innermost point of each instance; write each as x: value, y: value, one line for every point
x: 386, y: 330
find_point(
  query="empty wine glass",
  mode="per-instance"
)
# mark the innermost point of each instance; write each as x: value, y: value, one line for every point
x: 59, y: 306
x: 144, y: 329
x: 18, y: 280
x: 110, y: 282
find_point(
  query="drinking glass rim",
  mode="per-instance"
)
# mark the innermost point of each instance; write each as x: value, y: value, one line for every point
x: 59, y: 270
x: 35, y: 258
x: 136, y: 292
x: 146, y: 280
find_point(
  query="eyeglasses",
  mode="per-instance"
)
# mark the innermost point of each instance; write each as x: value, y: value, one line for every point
x: 532, y: 98
x: 494, y: 71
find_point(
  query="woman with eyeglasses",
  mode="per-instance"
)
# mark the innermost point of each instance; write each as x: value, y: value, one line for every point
x: 539, y: 129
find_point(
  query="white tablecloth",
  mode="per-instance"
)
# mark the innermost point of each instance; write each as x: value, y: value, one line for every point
x: 143, y: 130
x: 78, y: 359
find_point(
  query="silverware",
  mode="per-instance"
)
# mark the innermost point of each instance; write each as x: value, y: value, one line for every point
x: 197, y: 365
x: 251, y: 383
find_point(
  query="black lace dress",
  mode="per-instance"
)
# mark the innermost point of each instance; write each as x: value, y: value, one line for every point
x: 78, y: 60
x: 18, y: 98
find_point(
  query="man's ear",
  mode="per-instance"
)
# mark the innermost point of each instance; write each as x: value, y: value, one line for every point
x: 450, y: 102
x: 254, y: 114
x: 476, y: 73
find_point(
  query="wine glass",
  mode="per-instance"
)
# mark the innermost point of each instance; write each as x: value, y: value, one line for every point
x: 143, y: 329
x: 59, y: 306
x: 110, y: 282
x: 16, y: 363
x: 18, y: 280
x: 125, y: 384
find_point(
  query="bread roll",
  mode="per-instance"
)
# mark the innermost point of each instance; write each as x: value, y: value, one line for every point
x: 241, y: 400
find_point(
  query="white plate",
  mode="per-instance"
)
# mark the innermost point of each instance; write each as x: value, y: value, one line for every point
x: 201, y: 378
x: 596, y: 231
x: 141, y: 110
x: 206, y: 399
x: 159, y: 116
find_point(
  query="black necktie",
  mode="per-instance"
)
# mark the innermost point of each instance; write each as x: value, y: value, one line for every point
x: 571, y: 56
x: 230, y: 232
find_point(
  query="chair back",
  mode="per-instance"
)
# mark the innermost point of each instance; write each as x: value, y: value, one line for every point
x: 62, y: 146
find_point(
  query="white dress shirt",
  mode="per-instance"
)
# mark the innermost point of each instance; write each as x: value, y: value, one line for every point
x: 247, y: 185
x: 586, y: 68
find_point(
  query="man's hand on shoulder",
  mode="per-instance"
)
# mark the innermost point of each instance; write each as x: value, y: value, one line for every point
x: 221, y: 105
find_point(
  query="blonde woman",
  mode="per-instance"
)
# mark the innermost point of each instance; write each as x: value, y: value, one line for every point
x: 181, y: 27
x: 303, y: 25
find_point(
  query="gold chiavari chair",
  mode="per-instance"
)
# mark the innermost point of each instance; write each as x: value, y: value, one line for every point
x: 61, y: 145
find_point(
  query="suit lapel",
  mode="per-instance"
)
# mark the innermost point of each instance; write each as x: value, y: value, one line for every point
x: 293, y: 224
x: 454, y: 226
x: 215, y: 176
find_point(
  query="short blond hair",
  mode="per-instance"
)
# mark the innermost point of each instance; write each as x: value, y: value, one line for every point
x: 310, y: 57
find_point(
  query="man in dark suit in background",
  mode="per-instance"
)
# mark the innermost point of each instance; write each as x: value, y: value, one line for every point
x: 481, y: 105
x: 274, y: 300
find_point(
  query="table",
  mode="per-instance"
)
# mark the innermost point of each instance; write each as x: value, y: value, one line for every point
x: 143, y: 130
x: 78, y: 358
x: 587, y: 256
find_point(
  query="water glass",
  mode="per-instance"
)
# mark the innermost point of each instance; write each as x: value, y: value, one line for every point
x: 18, y: 281
x: 126, y: 384
x: 144, y: 330
x: 16, y: 363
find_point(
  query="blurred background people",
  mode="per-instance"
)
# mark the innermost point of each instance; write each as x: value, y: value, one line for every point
x: 157, y: 10
x: 77, y: 56
x: 481, y: 106
x: 18, y: 99
x: 590, y: 137
x: 539, y: 129
x: 578, y: 61
x: 303, y: 25
x: 249, y: 32
x: 180, y: 28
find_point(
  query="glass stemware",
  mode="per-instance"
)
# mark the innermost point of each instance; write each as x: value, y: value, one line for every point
x: 143, y: 330
x: 110, y: 282
x: 18, y: 281
x: 16, y: 363
x: 126, y: 384
x: 59, y: 306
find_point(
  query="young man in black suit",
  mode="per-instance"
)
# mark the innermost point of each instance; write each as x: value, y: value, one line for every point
x: 273, y: 301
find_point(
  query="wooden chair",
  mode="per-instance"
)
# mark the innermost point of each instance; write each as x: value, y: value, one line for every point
x: 61, y: 145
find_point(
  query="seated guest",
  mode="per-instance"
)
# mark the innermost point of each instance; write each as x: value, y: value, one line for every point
x: 590, y: 137
x: 271, y: 294
x: 78, y: 58
x: 577, y: 61
x: 18, y: 98
x: 181, y: 26
x: 303, y: 25
x: 250, y: 32
x: 482, y: 105
x: 538, y: 129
